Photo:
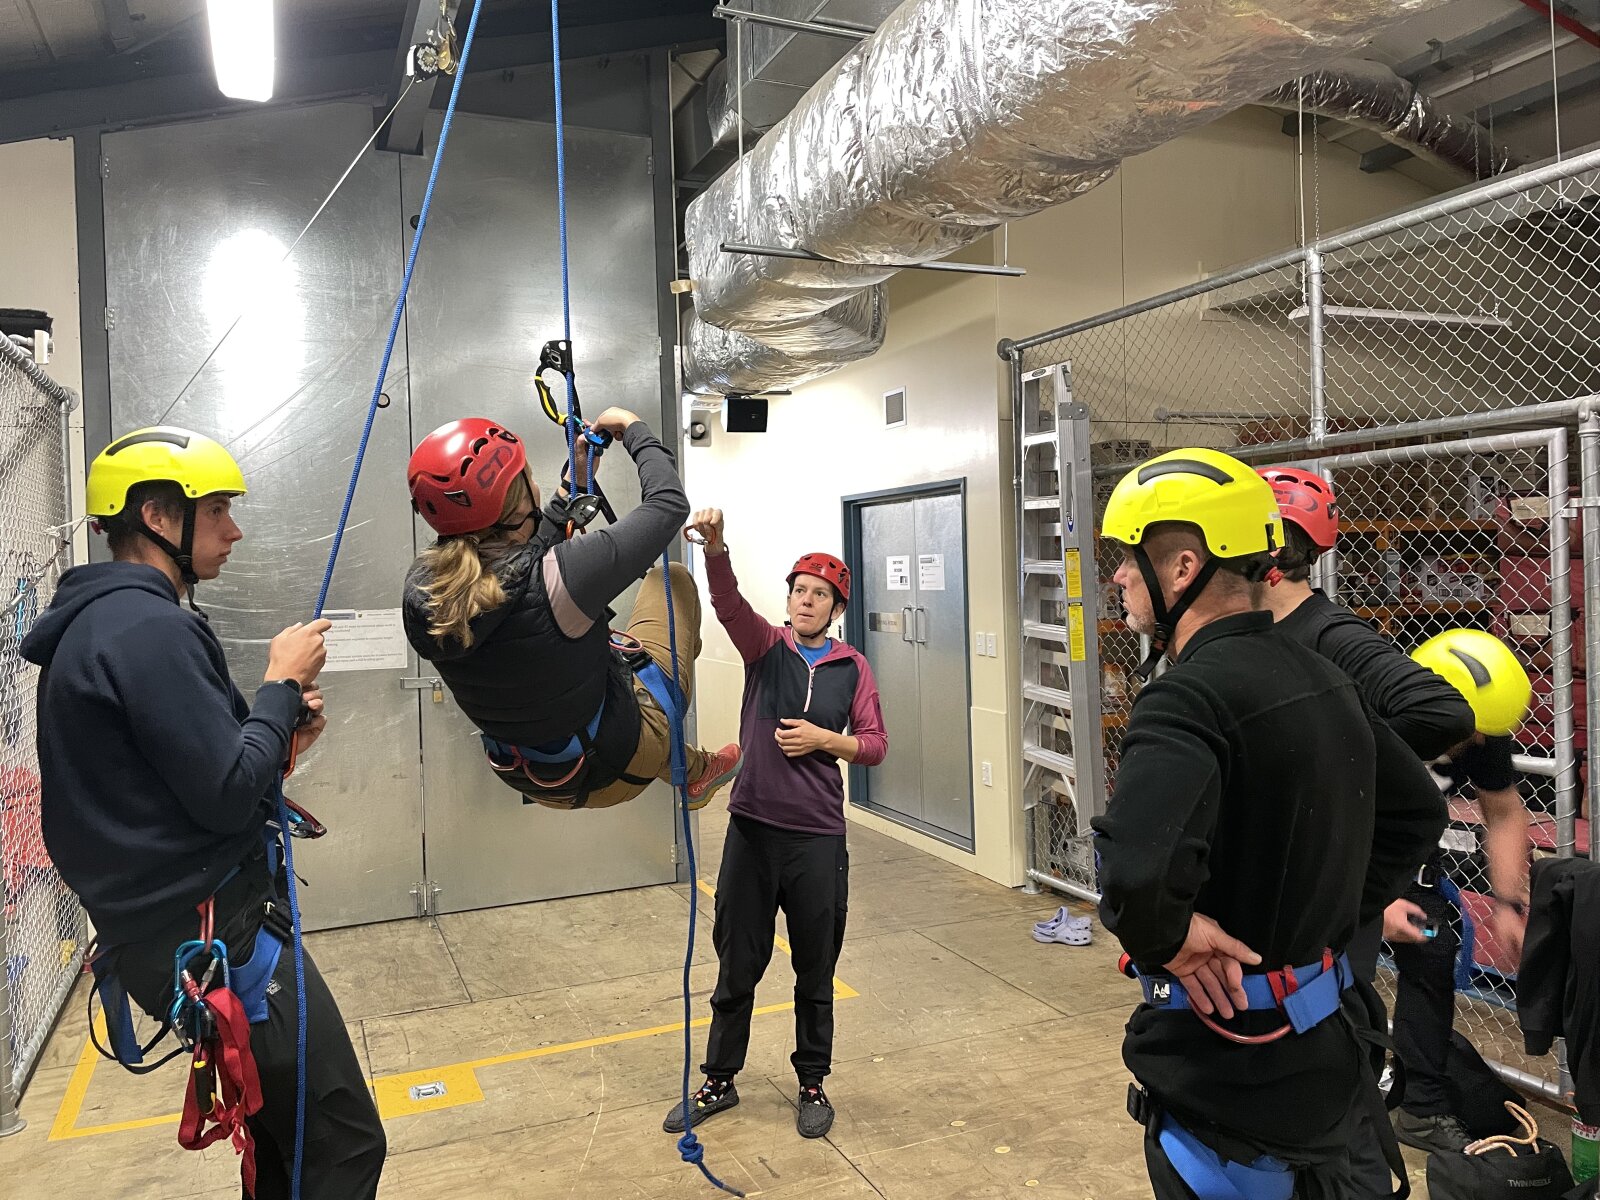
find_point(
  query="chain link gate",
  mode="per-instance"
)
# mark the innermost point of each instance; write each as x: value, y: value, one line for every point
x: 1434, y: 365
x: 42, y: 932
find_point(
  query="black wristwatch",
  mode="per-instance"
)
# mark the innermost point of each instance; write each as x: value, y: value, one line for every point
x: 299, y: 689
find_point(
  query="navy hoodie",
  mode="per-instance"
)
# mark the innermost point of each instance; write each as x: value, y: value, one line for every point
x: 155, y: 772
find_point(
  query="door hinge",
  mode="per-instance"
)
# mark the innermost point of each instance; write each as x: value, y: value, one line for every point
x: 649, y: 164
x: 109, y: 319
x: 105, y: 166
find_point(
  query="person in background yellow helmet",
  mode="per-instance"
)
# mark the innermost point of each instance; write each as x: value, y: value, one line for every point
x: 1485, y: 671
x: 158, y: 782
x: 1258, y: 816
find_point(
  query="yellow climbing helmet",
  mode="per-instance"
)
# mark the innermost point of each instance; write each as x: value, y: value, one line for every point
x: 1484, y: 670
x: 198, y: 465
x: 1232, y: 506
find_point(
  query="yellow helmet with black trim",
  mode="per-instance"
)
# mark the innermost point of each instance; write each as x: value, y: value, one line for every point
x: 1230, y: 504
x: 196, y: 463
x: 1485, y: 671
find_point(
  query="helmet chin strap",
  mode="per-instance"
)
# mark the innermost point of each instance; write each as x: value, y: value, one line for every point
x: 1166, y: 619
x: 182, y: 555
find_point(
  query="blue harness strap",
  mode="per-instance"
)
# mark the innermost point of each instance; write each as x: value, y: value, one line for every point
x: 1211, y: 1177
x: 250, y: 980
x: 1316, y: 996
x: 664, y: 691
x: 1469, y: 931
x: 549, y: 755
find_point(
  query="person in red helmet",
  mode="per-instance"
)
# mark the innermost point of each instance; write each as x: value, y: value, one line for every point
x: 1424, y: 926
x: 512, y: 608
x: 809, y: 701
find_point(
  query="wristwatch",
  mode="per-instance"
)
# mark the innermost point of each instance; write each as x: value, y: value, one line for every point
x: 299, y: 689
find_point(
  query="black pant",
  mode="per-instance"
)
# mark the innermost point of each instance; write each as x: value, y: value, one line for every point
x: 765, y: 868
x: 344, y: 1140
x: 1424, y: 1005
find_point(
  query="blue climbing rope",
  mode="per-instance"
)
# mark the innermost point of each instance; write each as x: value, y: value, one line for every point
x: 327, y: 580
x: 689, y: 1147
x: 399, y: 307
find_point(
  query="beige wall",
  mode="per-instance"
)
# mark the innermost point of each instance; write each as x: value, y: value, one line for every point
x: 1223, y: 196
x: 39, y: 263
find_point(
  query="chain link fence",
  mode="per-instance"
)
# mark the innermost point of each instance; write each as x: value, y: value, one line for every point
x: 42, y: 931
x: 1434, y: 366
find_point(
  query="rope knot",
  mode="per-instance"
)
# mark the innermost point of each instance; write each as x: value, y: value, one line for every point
x: 690, y: 1148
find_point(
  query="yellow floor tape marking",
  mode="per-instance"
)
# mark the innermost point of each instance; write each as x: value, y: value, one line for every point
x: 393, y: 1092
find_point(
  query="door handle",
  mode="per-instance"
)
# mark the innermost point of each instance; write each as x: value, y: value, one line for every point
x: 906, y: 634
x: 922, y: 625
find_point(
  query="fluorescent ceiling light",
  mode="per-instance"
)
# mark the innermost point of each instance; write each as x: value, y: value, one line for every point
x: 242, y: 47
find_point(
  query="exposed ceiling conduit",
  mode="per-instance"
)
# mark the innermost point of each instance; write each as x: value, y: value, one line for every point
x: 955, y: 117
x: 1369, y: 95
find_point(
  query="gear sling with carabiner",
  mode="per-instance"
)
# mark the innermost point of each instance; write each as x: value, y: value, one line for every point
x: 214, y: 1001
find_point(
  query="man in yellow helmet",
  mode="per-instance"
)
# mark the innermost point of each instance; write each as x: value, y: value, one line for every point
x: 1258, y: 815
x: 158, y: 784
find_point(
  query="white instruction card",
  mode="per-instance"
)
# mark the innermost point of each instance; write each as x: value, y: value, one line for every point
x: 930, y: 572
x: 372, y: 639
x: 899, y: 573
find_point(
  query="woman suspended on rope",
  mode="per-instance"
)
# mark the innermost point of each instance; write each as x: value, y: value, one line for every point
x: 512, y: 607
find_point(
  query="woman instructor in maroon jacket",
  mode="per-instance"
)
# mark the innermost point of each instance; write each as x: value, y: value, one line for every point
x: 809, y: 701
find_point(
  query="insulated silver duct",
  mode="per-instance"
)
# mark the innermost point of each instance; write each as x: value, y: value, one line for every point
x: 959, y: 115
x: 720, y: 361
x: 1370, y: 95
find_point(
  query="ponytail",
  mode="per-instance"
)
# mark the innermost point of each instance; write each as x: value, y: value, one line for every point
x: 463, y: 587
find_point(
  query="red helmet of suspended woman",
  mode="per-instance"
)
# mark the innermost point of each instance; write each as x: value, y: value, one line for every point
x: 824, y: 566
x: 1306, y: 500
x: 460, y: 473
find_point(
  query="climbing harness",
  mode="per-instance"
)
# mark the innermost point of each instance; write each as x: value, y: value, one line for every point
x: 214, y: 1003
x: 1307, y: 995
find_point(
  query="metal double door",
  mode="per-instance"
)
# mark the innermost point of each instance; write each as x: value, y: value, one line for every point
x: 912, y: 576
x: 197, y: 218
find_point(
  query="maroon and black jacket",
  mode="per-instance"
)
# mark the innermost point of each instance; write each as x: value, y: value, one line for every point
x: 804, y: 794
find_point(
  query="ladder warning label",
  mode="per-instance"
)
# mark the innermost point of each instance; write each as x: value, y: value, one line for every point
x: 1075, y: 632
x: 1074, y: 576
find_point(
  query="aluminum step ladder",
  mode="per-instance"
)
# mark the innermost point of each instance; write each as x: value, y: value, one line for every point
x: 1063, y: 756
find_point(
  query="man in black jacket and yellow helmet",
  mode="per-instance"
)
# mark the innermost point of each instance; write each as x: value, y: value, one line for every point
x: 158, y: 785
x: 1259, y: 814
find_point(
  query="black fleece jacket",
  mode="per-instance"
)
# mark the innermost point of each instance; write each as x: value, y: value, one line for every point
x: 155, y: 772
x: 1558, y: 982
x: 1255, y: 789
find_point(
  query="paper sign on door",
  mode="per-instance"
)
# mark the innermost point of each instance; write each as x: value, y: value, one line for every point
x: 930, y: 572
x: 899, y: 573
x: 370, y: 640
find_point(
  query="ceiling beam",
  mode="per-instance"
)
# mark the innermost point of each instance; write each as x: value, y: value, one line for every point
x: 403, y: 133
x: 1541, y: 94
x: 1381, y: 158
x: 1446, y: 56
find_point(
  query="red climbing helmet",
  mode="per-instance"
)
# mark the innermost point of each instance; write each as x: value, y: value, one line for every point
x: 824, y: 566
x: 460, y: 473
x: 1305, y: 499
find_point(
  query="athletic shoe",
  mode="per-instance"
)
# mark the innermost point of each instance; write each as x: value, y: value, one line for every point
x: 713, y: 1096
x: 720, y: 768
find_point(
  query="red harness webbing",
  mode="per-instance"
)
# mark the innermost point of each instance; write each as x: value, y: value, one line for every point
x: 224, y: 1087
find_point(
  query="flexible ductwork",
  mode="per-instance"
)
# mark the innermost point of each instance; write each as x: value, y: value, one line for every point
x: 792, y: 352
x: 959, y: 115
x: 1370, y: 95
